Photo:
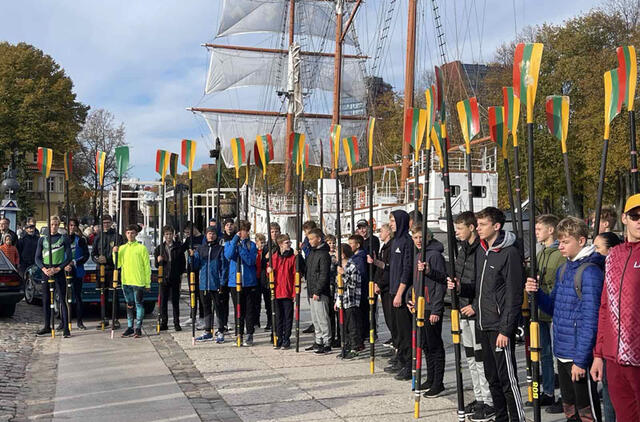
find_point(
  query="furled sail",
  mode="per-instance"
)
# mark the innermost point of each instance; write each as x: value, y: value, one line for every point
x: 240, y: 68
x: 228, y: 126
x: 317, y: 18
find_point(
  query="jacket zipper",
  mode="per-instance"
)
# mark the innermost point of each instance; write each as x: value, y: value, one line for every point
x: 484, y: 266
x: 620, y: 300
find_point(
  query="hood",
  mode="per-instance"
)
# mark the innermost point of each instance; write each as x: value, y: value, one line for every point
x: 585, y: 252
x: 286, y: 254
x: 322, y: 247
x: 402, y: 223
x: 435, y: 245
x: 503, y: 240
x: 360, y: 261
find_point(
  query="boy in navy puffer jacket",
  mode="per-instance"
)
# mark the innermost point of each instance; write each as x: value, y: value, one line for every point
x: 208, y: 260
x: 574, y: 304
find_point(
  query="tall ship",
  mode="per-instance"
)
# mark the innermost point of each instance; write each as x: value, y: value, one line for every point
x: 292, y: 66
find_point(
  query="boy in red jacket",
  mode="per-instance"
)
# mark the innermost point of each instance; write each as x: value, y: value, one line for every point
x: 283, y: 265
x: 618, y: 338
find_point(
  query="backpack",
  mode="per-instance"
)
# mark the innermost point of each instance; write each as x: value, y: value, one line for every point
x: 577, y: 278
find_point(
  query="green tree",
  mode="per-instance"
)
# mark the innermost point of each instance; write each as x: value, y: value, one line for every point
x: 37, y: 107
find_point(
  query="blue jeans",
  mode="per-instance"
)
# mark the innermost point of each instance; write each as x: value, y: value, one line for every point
x: 133, y: 296
x: 609, y: 412
x: 548, y: 374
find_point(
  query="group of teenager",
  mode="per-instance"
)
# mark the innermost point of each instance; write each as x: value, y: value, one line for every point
x: 587, y: 294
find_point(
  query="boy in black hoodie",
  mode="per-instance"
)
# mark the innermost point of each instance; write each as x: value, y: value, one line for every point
x: 434, y: 272
x: 170, y: 254
x: 400, y: 280
x: 497, y: 301
x: 469, y: 242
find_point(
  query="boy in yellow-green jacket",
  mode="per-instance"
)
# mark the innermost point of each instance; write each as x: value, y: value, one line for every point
x: 135, y: 273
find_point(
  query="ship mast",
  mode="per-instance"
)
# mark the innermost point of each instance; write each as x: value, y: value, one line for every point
x: 409, y: 80
x: 290, y: 109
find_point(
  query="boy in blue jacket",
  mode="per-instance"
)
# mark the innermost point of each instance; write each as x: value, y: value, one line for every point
x: 207, y: 259
x: 574, y: 303
x: 242, y: 251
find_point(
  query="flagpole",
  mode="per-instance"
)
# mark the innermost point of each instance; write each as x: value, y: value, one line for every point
x: 634, y: 151
x: 469, y: 181
x: 507, y: 177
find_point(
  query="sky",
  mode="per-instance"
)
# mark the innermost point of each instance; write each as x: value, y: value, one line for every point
x: 143, y: 61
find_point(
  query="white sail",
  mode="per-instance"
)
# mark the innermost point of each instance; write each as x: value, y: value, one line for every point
x: 314, y: 18
x: 226, y: 126
x: 240, y: 68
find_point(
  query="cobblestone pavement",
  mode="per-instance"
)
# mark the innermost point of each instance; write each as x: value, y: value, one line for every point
x: 27, y: 365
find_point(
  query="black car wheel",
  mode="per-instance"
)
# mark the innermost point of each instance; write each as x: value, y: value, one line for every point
x: 30, y: 290
x: 7, y: 310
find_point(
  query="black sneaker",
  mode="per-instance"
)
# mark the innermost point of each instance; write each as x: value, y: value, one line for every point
x: 427, y: 385
x: 546, y: 400
x: 404, y: 374
x: 313, y: 347
x: 335, y: 343
x: 46, y: 331
x: 177, y: 327
x: 81, y: 325
x: 469, y: 409
x: 351, y: 354
x: 163, y: 327
x: 66, y: 334
x: 309, y: 329
x: 127, y: 333
x: 286, y: 345
x: 106, y: 324
x: 555, y: 408
x: 116, y: 324
x: 388, y: 343
x: 393, y: 369
x: 484, y: 413
x: 138, y: 333
x: 323, y: 350
x: 434, y: 391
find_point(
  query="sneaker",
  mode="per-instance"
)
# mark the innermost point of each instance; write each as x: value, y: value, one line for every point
x: 248, y: 340
x: 99, y: 326
x: 286, y: 345
x: 205, y: 337
x: 351, y: 354
x: 427, y: 385
x: 393, y: 368
x: 309, y: 329
x: 163, y: 327
x: 434, y: 391
x: 555, y: 408
x: 219, y: 337
x: 138, y: 333
x: 177, y: 327
x: 388, y: 343
x: 66, y: 334
x: 323, y: 350
x: 46, y: 331
x: 81, y: 326
x: 403, y: 374
x: 483, y: 413
x: 313, y: 347
x: 128, y: 332
x: 546, y: 400
x: 469, y: 409
x: 225, y: 329
x: 116, y: 324
x: 335, y: 343
x: 278, y: 345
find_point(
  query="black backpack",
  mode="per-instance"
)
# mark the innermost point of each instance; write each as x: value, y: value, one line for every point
x: 577, y: 278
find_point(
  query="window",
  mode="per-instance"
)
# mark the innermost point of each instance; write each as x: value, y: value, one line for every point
x: 455, y: 191
x: 479, y: 191
x: 29, y: 185
x: 52, y: 184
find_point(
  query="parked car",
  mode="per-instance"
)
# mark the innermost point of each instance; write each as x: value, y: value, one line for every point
x: 11, y: 287
x: 34, y: 279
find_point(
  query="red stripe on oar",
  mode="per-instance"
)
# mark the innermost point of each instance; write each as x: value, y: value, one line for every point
x: 550, y: 121
x: 418, y: 358
x: 341, y: 316
x: 413, y: 339
x: 622, y: 72
x: 517, y: 69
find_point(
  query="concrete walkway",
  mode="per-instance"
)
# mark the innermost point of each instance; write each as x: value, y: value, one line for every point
x: 123, y: 379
